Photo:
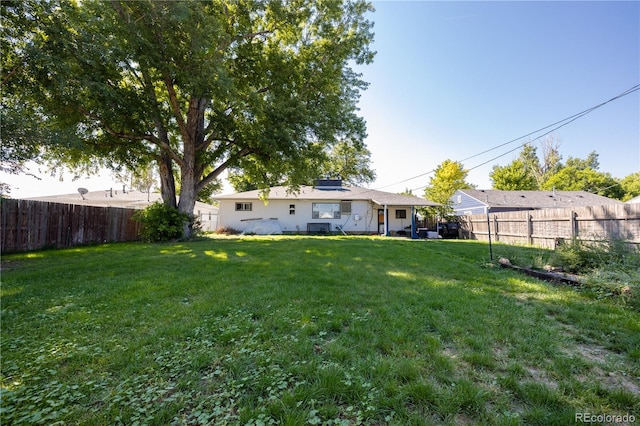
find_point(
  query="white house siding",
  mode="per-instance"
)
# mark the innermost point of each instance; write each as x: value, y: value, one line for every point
x: 362, y: 220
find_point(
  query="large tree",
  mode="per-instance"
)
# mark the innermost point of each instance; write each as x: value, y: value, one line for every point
x: 195, y: 86
x: 515, y: 176
x: 447, y: 178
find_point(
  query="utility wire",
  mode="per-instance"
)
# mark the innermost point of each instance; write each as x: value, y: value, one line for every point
x: 559, y: 125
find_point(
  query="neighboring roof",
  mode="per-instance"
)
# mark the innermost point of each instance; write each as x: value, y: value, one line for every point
x: 352, y: 193
x: 109, y: 198
x: 634, y: 200
x: 536, y: 199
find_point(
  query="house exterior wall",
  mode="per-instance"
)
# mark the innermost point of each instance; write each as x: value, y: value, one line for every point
x: 464, y: 205
x: 363, y: 218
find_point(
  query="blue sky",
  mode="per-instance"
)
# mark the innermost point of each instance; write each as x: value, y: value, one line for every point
x: 452, y: 79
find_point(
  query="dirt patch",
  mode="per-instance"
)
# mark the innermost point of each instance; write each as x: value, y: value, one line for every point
x: 593, y: 353
x: 540, y: 376
x: 601, y: 357
x: 611, y: 380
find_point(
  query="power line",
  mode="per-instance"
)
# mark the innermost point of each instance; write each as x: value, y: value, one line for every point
x: 559, y: 124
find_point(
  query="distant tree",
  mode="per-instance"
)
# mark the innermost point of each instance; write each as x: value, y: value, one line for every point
x: 631, y: 186
x: 350, y: 161
x: 448, y: 177
x: 591, y: 162
x: 513, y: 177
x: 550, y: 164
x: 577, y: 178
x: 144, y: 179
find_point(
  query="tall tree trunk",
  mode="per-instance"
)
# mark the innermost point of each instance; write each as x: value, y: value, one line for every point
x: 167, y: 181
x: 189, y: 179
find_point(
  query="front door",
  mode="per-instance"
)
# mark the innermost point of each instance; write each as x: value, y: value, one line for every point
x: 381, y: 229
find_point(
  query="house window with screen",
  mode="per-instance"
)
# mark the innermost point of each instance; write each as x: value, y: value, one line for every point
x: 326, y: 211
x: 345, y: 207
x: 401, y: 214
x: 243, y: 207
x: 292, y: 209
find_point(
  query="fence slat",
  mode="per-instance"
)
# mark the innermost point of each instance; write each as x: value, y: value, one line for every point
x: 28, y: 225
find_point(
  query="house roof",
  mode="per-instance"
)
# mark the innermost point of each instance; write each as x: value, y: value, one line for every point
x: 634, y: 200
x: 108, y: 198
x: 331, y: 193
x: 536, y: 199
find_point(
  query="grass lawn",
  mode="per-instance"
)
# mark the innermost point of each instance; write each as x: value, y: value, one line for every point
x: 303, y: 330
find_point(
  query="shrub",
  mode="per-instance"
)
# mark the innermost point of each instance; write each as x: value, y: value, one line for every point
x: 584, y: 256
x: 161, y: 222
x: 610, y: 267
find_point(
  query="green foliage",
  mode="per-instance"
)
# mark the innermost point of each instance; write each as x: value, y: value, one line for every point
x: 349, y: 161
x: 610, y: 267
x: 197, y: 87
x: 161, y: 222
x: 576, y: 178
x: 513, y: 177
x: 448, y: 177
x: 527, y: 172
x: 631, y: 186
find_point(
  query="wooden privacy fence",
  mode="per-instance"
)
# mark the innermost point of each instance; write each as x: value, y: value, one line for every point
x: 544, y: 228
x: 32, y: 225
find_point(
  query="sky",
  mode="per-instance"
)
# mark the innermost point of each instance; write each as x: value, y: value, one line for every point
x: 453, y: 79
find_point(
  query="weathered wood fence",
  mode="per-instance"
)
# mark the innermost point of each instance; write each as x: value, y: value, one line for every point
x: 544, y: 228
x: 32, y: 225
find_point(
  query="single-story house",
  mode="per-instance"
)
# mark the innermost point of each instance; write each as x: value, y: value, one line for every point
x: 207, y: 214
x: 327, y: 207
x: 482, y: 201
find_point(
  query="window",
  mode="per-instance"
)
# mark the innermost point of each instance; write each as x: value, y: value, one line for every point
x: 345, y: 207
x: 326, y: 211
x: 292, y: 209
x: 243, y: 207
x: 401, y: 214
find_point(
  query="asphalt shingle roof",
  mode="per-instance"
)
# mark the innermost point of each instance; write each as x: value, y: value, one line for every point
x: 129, y: 200
x: 353, y: 193
x: 537, y: 199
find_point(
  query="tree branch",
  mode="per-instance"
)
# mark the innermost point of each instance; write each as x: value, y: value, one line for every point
x: 222, y: 167
x: 163, y: 140
x: 173, y: 101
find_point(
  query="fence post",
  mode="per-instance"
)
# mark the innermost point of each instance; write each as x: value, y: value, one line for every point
x: 495, y: 227
x: 530, y: 229
x: 574, y: 225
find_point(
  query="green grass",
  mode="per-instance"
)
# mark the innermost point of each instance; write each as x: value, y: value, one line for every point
x: 300, y: 330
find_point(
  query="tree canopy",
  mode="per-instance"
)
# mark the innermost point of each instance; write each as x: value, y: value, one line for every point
x: 347, y: 160
x: 195, y: 87
x: 448, y: 177
x: 527, y: 172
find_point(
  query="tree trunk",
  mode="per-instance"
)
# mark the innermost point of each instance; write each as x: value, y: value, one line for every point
x: 167, y: 181
x: 189, y: 178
